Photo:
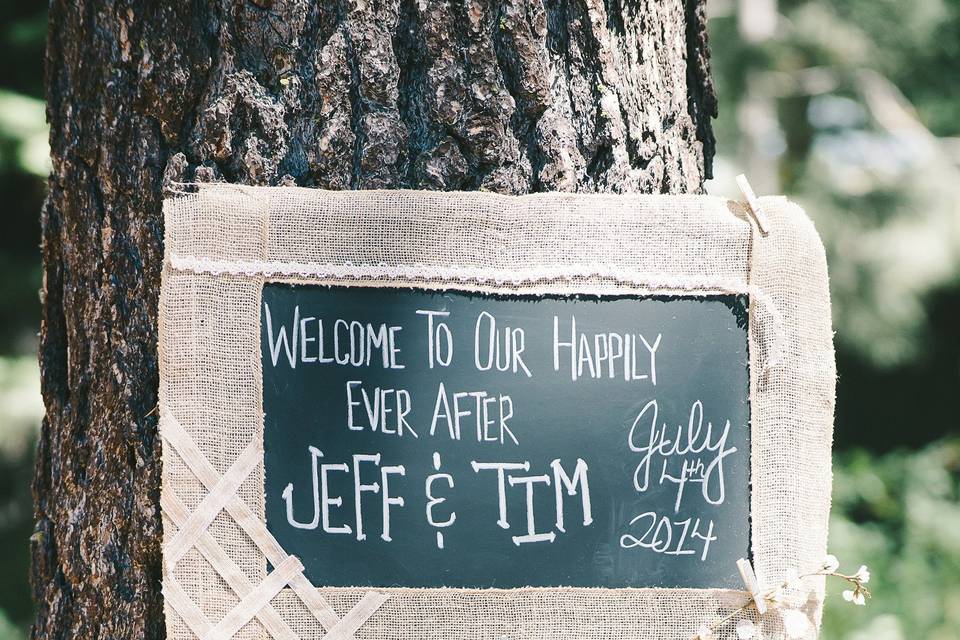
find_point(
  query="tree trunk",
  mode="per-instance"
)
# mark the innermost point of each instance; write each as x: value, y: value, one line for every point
x: 509, y: 96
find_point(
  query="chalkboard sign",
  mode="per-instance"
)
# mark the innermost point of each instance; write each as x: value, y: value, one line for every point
x: 424, y: 439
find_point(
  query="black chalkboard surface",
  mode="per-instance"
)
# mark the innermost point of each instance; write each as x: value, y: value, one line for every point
x: 425, y: 439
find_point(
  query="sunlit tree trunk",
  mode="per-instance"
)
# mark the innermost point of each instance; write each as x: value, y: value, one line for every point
x: 509, y: 96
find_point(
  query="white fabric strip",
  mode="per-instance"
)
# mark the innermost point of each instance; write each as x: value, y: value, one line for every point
x: 213, y: 503
x: 228, y: 569
x: 185, y: 608
x: 175, y: 434
x: 351, y: 623
x: 251, y: 603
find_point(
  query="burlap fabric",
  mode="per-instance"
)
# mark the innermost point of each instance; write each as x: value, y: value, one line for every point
x: 223, y: 242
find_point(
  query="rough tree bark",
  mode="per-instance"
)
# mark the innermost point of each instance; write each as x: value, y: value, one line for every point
x: 511, y: 96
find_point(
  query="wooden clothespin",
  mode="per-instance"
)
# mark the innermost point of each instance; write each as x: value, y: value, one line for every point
x: 754, y: 203
x: 750, y: 581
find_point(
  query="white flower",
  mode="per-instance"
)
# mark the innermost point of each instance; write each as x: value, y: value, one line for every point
x: 856, y: 597
x: 862, y: 574
x: 704, y: 633
x: 746, y: 629
x: 776, y: 596
x: 795, y: 623
x: 830, y: 563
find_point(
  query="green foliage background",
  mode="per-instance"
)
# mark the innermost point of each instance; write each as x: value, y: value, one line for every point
x: 849, y: 106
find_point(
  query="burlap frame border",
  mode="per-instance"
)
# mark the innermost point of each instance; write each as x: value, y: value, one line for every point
x: 223, y: 242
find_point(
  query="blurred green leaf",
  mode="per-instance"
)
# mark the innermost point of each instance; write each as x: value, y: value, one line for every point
x: 27, y: 32
x: 845, y: 108
x: 23, y: 133
x: 899, y: 514
x: 21, y: 406
x: 9, y: 631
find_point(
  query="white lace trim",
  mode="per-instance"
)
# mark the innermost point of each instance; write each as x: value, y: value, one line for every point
x: 484, y: 275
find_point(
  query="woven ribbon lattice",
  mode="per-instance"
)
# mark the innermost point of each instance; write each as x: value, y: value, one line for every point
x: 254, y: 599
